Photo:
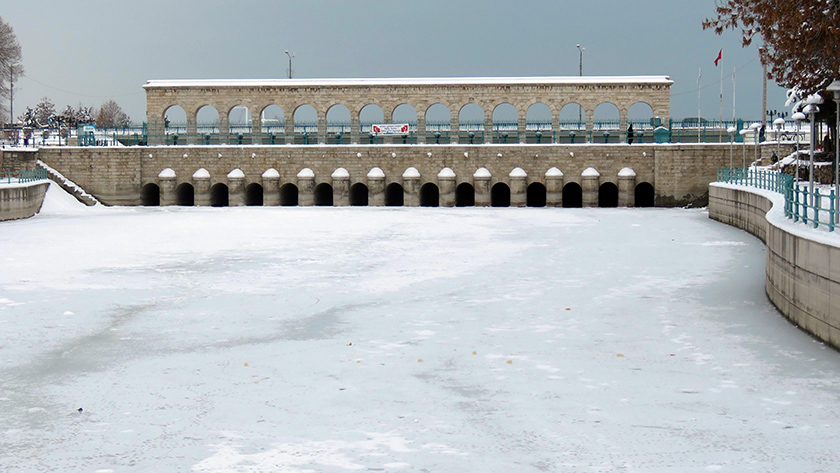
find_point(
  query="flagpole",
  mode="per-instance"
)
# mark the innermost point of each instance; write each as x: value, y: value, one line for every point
x: 721, y: 94
x: 699, y: 76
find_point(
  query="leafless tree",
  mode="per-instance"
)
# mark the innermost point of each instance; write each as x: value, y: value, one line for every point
x: 10, y: 68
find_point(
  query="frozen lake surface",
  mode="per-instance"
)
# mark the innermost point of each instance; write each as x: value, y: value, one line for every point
x: 393, y: 339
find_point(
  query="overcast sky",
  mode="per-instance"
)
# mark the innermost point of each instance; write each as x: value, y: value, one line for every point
x: 90, y: 51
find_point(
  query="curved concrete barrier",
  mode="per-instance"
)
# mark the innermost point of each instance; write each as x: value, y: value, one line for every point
x: 21, y: 200
x: 803, y: 266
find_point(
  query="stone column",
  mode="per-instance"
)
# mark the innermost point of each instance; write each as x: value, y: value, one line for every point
x: 518, y: 187
x: 256, y: 129
x: 341, y: 187
x: 626, y: 188
x: 289, y: 123
x: 446, y: 187
x: 421, y: 130
x: 411, y: 187
x: 271, y: 187
x: 481, y: 183
x: 554, y: 188
x: 236, y: 189
x: 201, y: 187
x: 376, y: 187
x: 192, y: 132
x: 590, y: 182
x: 590, y: 125
x: 322, y: 128
x: 306, y: 187
x: 521, y: 123
x: 454, y: 126
x: 166, y: 181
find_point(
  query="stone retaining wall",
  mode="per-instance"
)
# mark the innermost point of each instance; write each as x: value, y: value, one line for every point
x: 803, y: 267
x: 21, y: 200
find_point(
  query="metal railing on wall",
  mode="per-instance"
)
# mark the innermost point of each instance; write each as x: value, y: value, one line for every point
x: 815, y: 208
x: 22, y: 177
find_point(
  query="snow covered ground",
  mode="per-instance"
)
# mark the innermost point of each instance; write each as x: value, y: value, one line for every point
x: 394, y: 339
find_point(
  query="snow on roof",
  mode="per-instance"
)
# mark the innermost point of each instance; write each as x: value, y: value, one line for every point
x: 236, y: 174
x: 482, y: 173
x: 306, y: 173
x: 340, y: 173
x: 376, y: 173
x: 590, y: 172
x: 201, y: 174
x: 167, y: 173
x: 518, y: 172
x: 271, y: 173
x: 554, y: 172
x: 339, y: 82
x: 411, y: 173
x: 626, y: 172
x: 446, y: 173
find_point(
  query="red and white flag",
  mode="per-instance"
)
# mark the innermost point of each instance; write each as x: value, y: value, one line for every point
x: 720, y: 56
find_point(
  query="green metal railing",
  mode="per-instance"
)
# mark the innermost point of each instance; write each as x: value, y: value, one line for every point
x: 28, y: 175
x: 801, y: 205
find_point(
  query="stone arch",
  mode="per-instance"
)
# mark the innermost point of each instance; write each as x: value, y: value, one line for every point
x: 429, y: 195
x: 288, y: 195
x: 500, y: 195
x: 254, y: 194
x: 572, y: 195
x: 359, y: 194
x: 536, y: 195
x: 608, y: 195
x: 207, y: 120
x: 175, y: 119
x: 471, y: 118
x: 394, y: 195
x: 405, y: 113
x: 305, y: 119
x: 239, y: 119
x: 439, y: 115
x: 338, y: 119
x: 272, y: 119
x: 370, y: 114
x: 572, y: 117
x: 538, y: 117
x: 606, y: 116
x: 219, y: 196
x: 185, y: 194
x: 645, y: 195
x: 150, y: 195
x: 505, y: 113
x: 323, y: 194
x: 465, y: 195
x: 640, y: 116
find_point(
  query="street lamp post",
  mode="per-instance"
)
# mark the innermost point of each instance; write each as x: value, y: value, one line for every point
x: 798, y: 117
x: 755, y: 127
x: 743, y: 134
x: 811, y: 109
x: 290, y: 62
x: 778, y: 124
x: 580, y: 74
x: 834, y: 87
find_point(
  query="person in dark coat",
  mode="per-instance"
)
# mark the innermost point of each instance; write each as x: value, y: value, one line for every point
x: 630, y: 134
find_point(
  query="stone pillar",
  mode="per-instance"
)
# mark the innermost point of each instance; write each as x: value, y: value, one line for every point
x: 192, y: 132
x: 341, y: 187
x: 256, y: 130
x: 554, y: 188
x: 421, y: 130
x: 590, y: 182
x: 411, y: 187
x: 518, y: 187
x: 446, y: 187
x: 236, y: 189
x: 626, y: 188
x: 201, y: 187
x: 481, y: 183
x: 166, y: 182
x: 271, y: 187
x: 156, y: 128
x: 289, y: 124
x: 322, y: 128
x: 590, y: 125
x: 306, y: 187
x: 454, y: 126
x: 376, y: 187
x: 521, y: 129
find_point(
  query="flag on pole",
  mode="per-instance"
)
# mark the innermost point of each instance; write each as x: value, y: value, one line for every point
x: 720, y: 56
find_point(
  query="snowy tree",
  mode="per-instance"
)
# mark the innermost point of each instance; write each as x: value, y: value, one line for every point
x: 68, y: 117
x: 28, y: 118
x: 44, y: 111
x: 110, y: 115
x: 85, y: 115
x: 801, y: 38
x: 10, y: 65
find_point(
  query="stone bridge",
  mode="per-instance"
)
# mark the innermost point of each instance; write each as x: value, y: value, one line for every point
x: 463, y: 110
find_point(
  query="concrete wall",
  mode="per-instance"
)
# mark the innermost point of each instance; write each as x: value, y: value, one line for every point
x: 21, y: 200
x: 803, y: 268
x: 680, y: 174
